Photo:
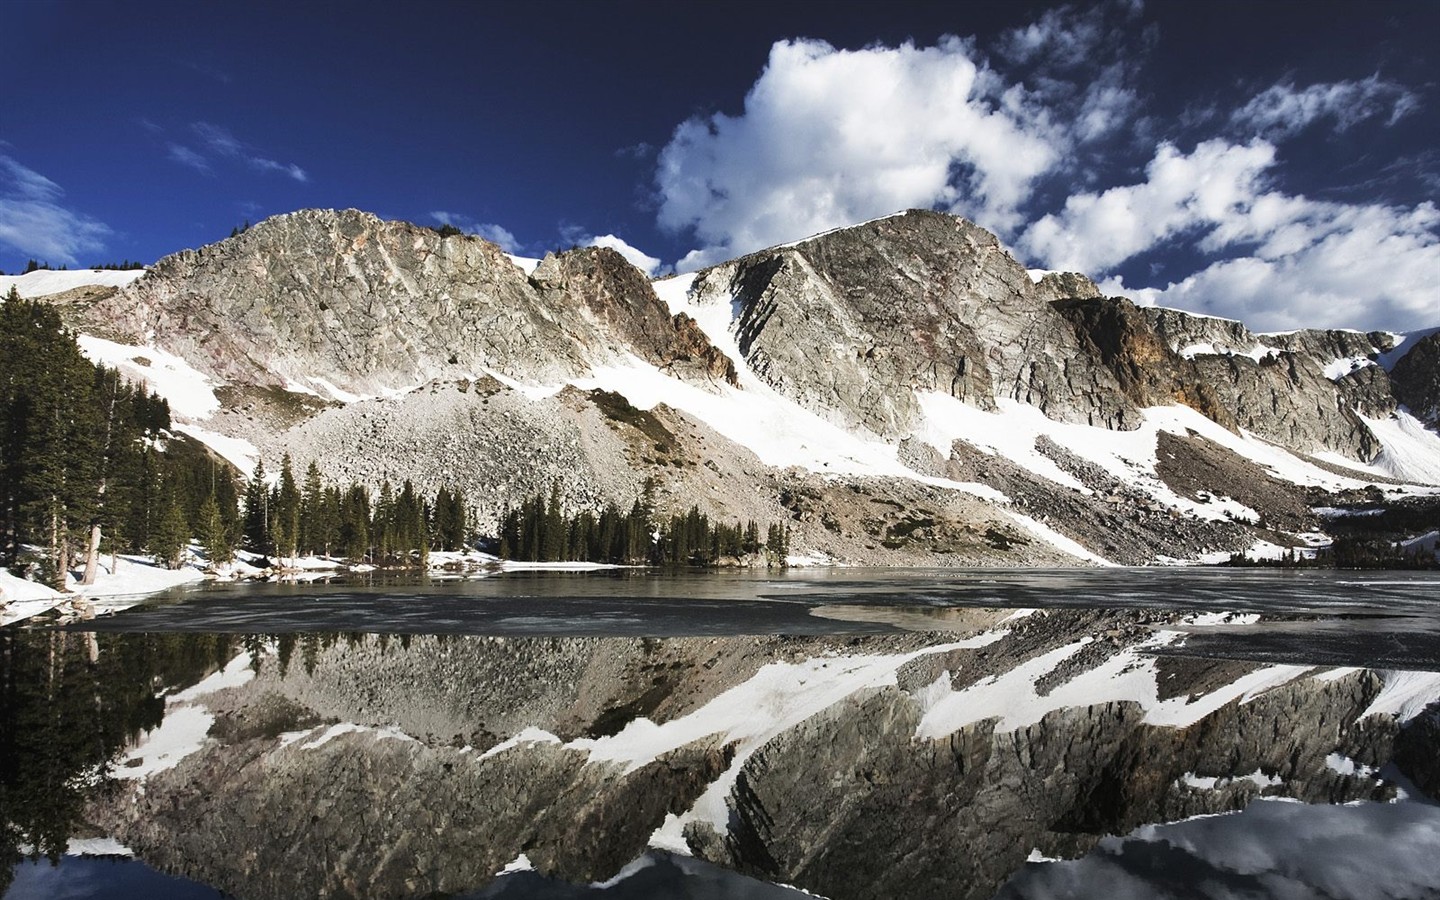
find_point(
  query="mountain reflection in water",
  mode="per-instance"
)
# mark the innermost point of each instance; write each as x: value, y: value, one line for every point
x: 930, y: 757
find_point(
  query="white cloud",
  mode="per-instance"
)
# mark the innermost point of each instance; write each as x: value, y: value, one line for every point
x: 829, y: 137
x: 186, y: 157
x: 221, y: 144
x: 34, y: 223
x: 1215, y: 183
x: 1329, y: 265
x: 1296, y: 262
x: 495, y: 234
x: 1284, y: 110
x: 642, y: 261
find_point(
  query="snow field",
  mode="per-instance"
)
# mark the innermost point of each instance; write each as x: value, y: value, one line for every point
x: 188, y: 391
x: 44, y: 281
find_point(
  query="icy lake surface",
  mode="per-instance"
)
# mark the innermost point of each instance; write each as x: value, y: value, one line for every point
x: 632, y: 734
x: 1376, y: 619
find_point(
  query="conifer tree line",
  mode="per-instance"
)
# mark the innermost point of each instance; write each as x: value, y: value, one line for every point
x: 87, y: 464
x: 540, y: 531
x: 288, y: 519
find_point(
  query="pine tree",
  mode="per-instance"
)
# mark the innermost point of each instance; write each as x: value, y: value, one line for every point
x: 354, y: 533
x: 312, y: 538
x: 285, y: 513
x: 171, y: 535
x: 257, y: 502
x: 48, y: 425
x: 215, y: 533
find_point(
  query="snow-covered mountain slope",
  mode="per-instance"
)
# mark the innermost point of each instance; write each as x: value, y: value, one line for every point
x: 899, y: 391
x: 44, y: 282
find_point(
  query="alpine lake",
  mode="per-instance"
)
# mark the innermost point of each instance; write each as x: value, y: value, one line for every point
x: 847, y: 733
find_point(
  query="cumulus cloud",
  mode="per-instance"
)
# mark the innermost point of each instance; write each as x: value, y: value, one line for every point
x: 1283, y: 110
x: 1287, y: 261
x: 217, y: 143
x: 33, y: 221
x: 1079, y: 66
x: 1214, y: 184
x: 640, y: 260
x: 495, y: 234
x: 830, y: 137
x: 1322, y: 265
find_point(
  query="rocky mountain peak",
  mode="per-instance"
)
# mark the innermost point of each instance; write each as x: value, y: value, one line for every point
x: 852, y: 322
x: 344, y: 300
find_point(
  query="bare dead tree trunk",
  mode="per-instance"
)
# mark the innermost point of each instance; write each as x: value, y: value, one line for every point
x: 57, y: 550
x: 92, y: 555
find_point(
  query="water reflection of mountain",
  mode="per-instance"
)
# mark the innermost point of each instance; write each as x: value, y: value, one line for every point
x: 909, y: 764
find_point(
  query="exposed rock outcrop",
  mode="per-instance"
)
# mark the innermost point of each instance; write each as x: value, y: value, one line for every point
x: 1416, y: 377
x: 368, y: 306
x: 851, y: 323
x: 1270, y: 385
x: 486, y: 379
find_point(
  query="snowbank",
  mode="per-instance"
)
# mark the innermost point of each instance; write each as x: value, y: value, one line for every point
x: 42, y: 282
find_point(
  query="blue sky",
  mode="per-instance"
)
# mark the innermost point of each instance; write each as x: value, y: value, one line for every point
x: 1277, y: 162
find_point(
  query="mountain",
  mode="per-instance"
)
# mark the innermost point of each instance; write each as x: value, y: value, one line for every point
x: 900, y: 391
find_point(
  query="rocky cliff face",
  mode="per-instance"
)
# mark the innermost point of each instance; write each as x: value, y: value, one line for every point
x: 1271, y: 385
x: 1416, y: 379
x: 851, y: 323
x: 370, y: 306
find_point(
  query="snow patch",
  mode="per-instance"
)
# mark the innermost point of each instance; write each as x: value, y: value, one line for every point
x: 1012, y: 430
x: 20, y: 598
x: 520, y: 863
x: 1404, y: 343
x: 1211, y: 783
x: 1409, y: 450
x: 185, y: 388
x: 1256, y: 352
x: 239, y: 452
x: 349, y: 727
x: 1339, y: 368
x: 778, y: 431
x: 1341, y: 764
x: 131, y: 575
x: 186, y: 723
x: 775, y: 699
x: 528, y: 736
x: 1210, y: 619
x: 237, y: 672
x: 98, y: 846
x: 180, y: 733
x: 44, y: 281
x: 1056, y: 539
